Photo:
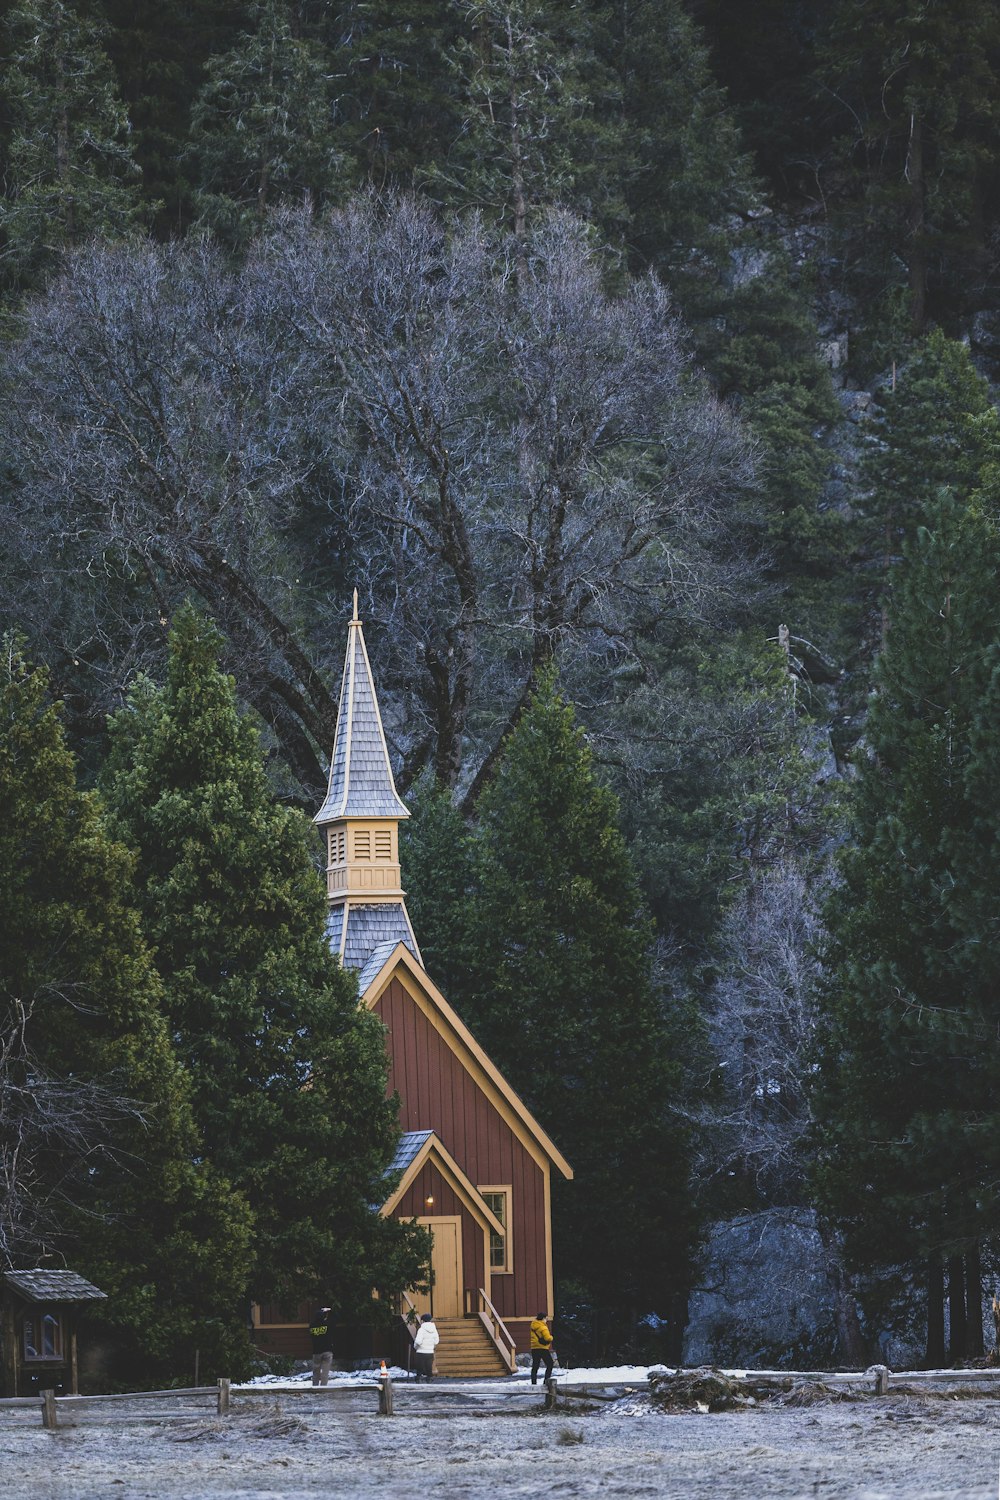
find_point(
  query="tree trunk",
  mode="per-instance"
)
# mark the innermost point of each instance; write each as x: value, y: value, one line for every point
x: 677, y: 1321
x: 851, y: 1348
x: 975, y: 1344
x: 935, y: 1315
x: 917, y: 247
x: 956, y: 1308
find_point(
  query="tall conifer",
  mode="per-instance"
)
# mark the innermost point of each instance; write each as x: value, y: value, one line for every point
x: 287, y: 1074
x: 70, y: 172
x: 562, y: 997
x: 906, y: 1093
x: 101, y: 1162
x: 262, y: 127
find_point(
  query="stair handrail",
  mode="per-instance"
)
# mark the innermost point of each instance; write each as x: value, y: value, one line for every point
x: 408, y: 1313
x: 498, y: 1331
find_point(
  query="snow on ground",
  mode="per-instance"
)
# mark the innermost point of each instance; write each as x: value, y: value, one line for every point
x: 613, y: 1374
x: 890, y: 1448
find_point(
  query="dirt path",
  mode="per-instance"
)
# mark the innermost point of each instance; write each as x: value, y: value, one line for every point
x: 896, y: 1447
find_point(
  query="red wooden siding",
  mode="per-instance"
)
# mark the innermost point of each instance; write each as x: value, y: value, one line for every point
x: 437, y: 1093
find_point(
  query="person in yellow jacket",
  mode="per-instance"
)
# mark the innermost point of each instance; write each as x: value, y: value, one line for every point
x: 541, y: 1347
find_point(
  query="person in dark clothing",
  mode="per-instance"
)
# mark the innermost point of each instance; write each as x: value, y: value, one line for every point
x: 321, y: 1333
x: 541, y: 1347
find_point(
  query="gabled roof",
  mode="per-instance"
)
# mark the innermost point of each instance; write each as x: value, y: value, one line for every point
x: 376, y: 959
x: 462, y: 1042
x: 361, y: 782
x: 43, y: 1285
x: 431, y: 1149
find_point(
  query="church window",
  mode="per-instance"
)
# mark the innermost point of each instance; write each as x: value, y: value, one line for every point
x: 497, y: 1199
x: 363, y: 844
x: 338, y: 849
x: 383, y: 844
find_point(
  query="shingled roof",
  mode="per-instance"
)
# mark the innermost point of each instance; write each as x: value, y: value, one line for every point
x: 408, y: 1148
x: 361, y: 781
x: 52, y: 1286
x: 359, y: 930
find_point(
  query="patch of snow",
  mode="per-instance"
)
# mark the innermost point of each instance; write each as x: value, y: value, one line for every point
x: 608, y: 1374
x: 304, y: 1377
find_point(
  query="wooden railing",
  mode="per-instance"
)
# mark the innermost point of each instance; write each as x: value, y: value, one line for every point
x: 498, y: 1331
x: 408, y: 1313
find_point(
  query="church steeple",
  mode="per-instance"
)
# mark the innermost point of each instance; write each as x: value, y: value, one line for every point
x: 360, y: 817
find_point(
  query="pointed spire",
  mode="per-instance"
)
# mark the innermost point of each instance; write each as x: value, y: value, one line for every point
x: 361, y: 781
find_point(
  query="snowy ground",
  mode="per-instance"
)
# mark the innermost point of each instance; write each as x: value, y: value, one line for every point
x: 625, y: 1374
x: 920, y: 1448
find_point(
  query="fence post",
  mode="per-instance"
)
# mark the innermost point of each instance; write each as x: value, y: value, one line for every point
x: 49, y: 1417
x: 385, y: 1396
x: 881, y: 1380
x: 223, y: 1406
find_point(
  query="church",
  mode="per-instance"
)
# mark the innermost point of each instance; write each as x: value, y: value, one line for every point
x: 476, y: 1167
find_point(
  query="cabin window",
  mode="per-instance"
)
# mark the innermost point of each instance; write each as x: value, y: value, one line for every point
x: 338, y: 846
x: 281, y: 1314
x: 383, y: 844
x: 43, y: 1337
x: 498, y: 1200
x: 363, y: 844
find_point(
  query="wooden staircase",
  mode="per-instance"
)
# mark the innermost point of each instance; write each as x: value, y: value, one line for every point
x: 466, y: 1349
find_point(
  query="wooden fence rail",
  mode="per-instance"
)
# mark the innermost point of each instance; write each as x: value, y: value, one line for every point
x: 472, y: 1397
x: 51, y: 1404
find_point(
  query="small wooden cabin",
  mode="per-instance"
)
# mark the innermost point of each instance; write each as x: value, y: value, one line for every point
x: 475, y: 1165
x: 39, y: 1312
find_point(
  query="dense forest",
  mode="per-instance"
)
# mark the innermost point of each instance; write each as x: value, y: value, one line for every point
x: 634, y: 361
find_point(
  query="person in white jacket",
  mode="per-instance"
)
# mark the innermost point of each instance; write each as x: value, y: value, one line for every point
x: 424, y: 1344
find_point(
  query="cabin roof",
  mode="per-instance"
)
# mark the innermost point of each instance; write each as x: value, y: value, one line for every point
x: 361, y: 782
x: 462, y: 1042
x: 43, y: 1285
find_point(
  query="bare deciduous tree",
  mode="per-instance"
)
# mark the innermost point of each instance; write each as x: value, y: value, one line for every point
x: 511, y: 461
x: 761, y: 1020
x: 147, y: 439
x: 54, y: 1133
x: 761, y: 1024
x: 525, y: 459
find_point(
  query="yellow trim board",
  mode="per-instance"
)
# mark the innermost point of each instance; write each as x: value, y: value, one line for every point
x: 402, y: 957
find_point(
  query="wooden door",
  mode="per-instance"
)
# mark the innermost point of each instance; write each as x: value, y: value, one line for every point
x: 445, y: 1298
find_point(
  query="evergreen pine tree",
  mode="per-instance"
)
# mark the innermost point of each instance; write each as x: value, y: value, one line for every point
x: 915, y: 89
x: 537, y: 128
x: 159, y: 54
x: 396, y: 98
x: 436, y: 857
x: 262, y: 127
x: 562, y: 997
x: 938, y: 428
x: 696, y: 214
x: 287, y: 1074
x: 906, y: 1097
x: 71, y: 171
x: 688, y: 170
x: 101, y: 1161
